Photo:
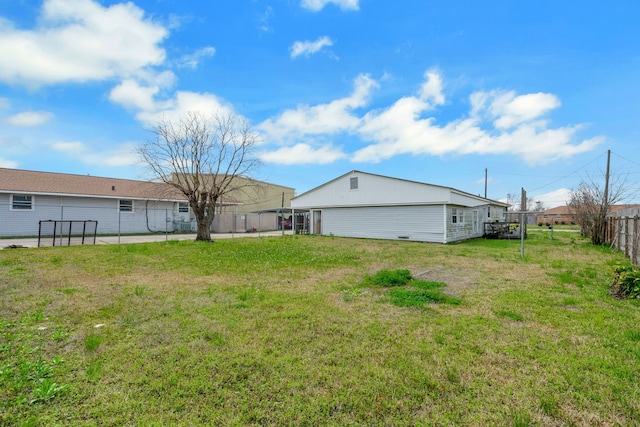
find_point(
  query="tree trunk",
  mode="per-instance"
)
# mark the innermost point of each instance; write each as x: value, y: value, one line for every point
x: 204, y: 231
x: 204, y: 218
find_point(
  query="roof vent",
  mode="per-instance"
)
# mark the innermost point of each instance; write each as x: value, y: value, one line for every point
x: 113, y: 188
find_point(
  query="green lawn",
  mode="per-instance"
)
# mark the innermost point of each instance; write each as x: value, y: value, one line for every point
x: 294, y: 331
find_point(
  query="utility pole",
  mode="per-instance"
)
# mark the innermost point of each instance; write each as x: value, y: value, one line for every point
x: 485, y: 183
x: 605, y: 202
x: 523, y: 210
x: 606, y: 178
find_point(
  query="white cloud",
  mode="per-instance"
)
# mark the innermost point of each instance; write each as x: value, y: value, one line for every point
x: 132, y: 95
x: 151, y: 108
x: 193, y: 60
x: 182, y: 102
x: 265, y: 19
x: 330, y: 118
x: 80, y: 40
x: 499, y: 123
x: 303, y: 154
x: 317, y: 5
x: 8, y: 164
x: 119, y: 156
x: 518, y: 129
x: 559, y: 197
x: 509, y: 110
x: 307, y: 48
x: 29, y: 118
x: 4, y: 103
x: 431, y: 90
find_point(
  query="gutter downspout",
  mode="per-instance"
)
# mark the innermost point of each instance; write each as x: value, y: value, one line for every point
x: 444, y: 236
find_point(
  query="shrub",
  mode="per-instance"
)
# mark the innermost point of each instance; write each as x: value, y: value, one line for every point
x: 626, y: 283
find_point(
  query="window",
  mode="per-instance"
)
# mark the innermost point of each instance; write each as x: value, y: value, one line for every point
x: 489, y: 212
x: 354, y: 183
x: 21, y: 203
x: 457, y: 216
x: 183, y: 207
x: 126, y: 205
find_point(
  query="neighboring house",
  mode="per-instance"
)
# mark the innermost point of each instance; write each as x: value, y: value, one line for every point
x: 251, y: 196
x: 255, y: 195
x: 558, y: 215
x: 119, y: 205
x: 566, y: 214
x: 360, y: 204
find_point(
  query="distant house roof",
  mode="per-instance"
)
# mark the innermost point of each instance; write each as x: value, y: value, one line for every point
x: 33, y: 182
x: 560, y: 210
x: 568, y: 210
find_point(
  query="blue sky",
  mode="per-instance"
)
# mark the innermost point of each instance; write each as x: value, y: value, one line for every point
x: 535, y: 92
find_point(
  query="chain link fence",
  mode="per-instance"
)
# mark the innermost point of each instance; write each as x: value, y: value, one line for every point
x: 111, y: 217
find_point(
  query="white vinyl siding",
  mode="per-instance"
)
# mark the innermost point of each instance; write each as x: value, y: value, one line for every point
x: 418, y: 223
x: 25, y: 222
x: 390, y: 208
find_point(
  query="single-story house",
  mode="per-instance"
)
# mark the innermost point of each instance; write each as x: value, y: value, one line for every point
x: 119, y: 205
x: 360, y: 204
x: 557, y: 215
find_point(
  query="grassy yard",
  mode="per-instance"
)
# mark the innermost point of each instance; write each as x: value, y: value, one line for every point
x: 293, y: 331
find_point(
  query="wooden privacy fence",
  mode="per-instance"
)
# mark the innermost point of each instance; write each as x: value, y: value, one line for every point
x: 623, y: 233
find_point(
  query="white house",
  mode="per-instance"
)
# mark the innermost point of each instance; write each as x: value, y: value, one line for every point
x: 360, y: 204
x: 119, y: 205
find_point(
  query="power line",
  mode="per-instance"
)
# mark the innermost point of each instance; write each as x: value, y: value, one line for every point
x: 569, y: 174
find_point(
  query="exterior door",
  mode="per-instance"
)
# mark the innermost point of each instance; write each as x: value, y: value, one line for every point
x: 317, y: 222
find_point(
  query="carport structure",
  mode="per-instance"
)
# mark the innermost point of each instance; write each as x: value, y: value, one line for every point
x: 299, y: 219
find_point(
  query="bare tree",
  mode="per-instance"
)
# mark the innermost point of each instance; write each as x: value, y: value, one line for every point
x: 200, y: 156
x: 592, y: 203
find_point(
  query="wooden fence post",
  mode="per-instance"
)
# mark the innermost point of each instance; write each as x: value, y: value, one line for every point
x: 636, y: 240
x: 626, y: 237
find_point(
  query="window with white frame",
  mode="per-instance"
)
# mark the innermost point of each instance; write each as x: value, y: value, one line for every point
x: 457, y: 216
x: 125, y: 205
x: 20, y: 202
x: 183, y: 207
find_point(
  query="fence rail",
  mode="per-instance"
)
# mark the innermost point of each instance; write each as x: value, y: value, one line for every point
x: 67, y: 233
x: 623, y: 234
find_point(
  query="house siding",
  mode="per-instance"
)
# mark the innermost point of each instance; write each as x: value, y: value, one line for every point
x: 463, y: 228
x: 359, y: 204
x: 417, y: 223
x: 151, y: 216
